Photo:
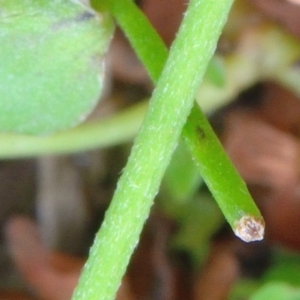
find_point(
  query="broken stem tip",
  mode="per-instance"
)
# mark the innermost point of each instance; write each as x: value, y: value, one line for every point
x: 250, y: 228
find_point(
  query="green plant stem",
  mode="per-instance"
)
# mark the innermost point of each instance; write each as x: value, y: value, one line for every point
x: 119, y: 128
x: 143, y: 38
x: 222, y: 179
x: 169, y: 108
x: 229, y: 191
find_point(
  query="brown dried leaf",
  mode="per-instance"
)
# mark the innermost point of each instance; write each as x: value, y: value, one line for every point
x: 262, y: 154
x: 284, y: 12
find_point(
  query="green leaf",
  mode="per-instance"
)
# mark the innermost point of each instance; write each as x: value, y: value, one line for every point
x: 215, y: 72
x: 182, y: 177
x: 198, y: 221
x: 243, y: 288
x: 285, y: 268
x: 51, y: 71
x: 277, y: 291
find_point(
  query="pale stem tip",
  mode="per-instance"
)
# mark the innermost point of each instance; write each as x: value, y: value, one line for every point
x: 249, y: 228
